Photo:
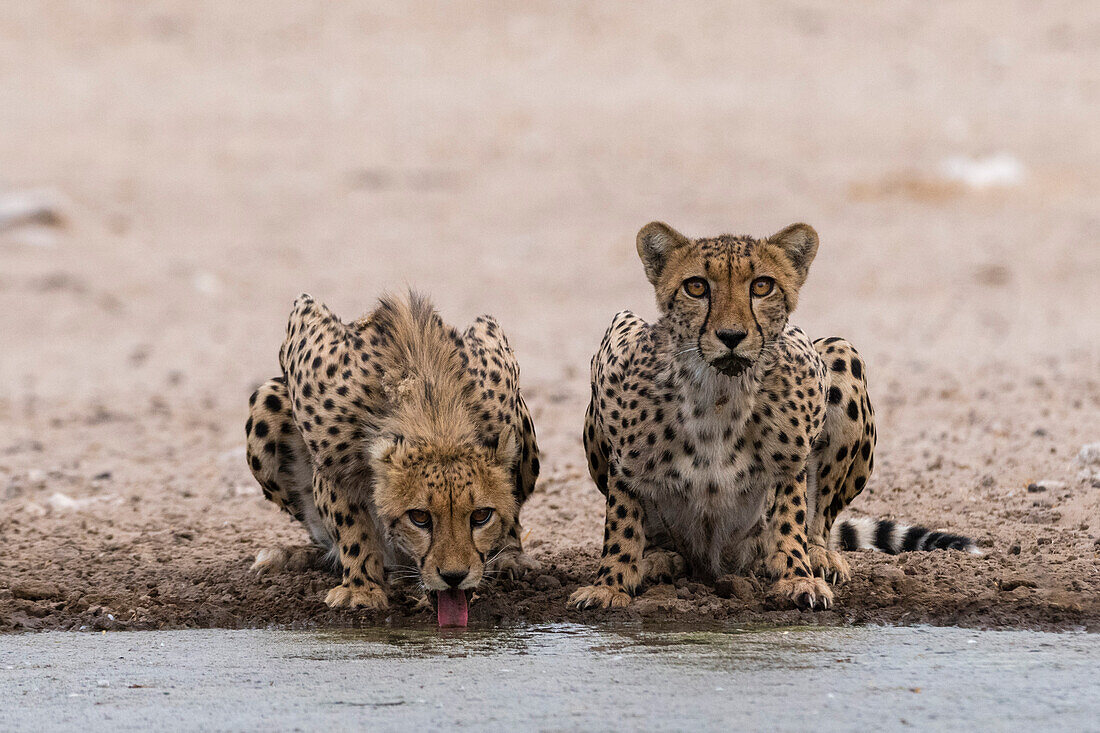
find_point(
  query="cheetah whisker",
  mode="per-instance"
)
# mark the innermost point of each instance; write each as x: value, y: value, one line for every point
x: 494, y: 557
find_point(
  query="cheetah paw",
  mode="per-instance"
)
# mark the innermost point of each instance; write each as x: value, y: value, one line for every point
x: 812, y: 593
x: 293, y: 558
x: 371, y: 597
x: 662, y: 566
x: 829, y: 565
x: 516, y: 564
x: 269, y: 560
x: 599, y: 596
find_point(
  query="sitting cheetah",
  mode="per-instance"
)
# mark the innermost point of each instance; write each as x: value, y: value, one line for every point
x: 399, y: 443
x: 721, y: 436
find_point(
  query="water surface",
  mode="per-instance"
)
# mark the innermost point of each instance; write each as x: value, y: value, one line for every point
x: 551, y: 677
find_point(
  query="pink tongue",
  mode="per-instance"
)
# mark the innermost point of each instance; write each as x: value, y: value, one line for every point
x: 451, y: 606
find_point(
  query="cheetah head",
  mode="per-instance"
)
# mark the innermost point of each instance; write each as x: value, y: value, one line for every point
x: 447, y: 508
x: 726, y: 298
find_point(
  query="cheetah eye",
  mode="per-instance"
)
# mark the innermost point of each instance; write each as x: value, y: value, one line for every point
x: 696, y: 287
x: 762, y: 286
x: 420, y: 518
x: 481, y: 517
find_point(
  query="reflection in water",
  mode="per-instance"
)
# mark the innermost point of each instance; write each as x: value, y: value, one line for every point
x: 715, y: 647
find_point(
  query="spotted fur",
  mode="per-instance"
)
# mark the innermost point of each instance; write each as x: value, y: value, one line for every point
x: 723, y: 439
x: 396, y: 413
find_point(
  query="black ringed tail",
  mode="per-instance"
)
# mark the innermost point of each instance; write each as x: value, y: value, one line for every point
x: 886, y: 535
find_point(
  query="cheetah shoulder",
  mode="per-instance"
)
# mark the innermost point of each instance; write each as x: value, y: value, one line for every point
x: 626, y: 339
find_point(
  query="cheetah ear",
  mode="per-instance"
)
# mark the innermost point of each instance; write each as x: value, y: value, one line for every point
x: 799, y: 243
x: 506, y: 452
x: 656, y: 241
x: 385, y: 449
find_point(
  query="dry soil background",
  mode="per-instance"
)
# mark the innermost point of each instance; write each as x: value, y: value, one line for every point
x: 205, y: 162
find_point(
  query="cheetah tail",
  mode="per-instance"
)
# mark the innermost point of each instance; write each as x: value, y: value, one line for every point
x: 885, y: 535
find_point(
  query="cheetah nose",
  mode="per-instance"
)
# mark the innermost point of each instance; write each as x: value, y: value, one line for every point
x: 454, y: 578
x: 730, y: 337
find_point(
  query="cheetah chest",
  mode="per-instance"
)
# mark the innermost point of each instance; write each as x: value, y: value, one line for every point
x: 703, y: 487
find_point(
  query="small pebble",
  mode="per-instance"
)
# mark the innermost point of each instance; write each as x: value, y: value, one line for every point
x: 1089, y: 455
x: 547, y: 582
x: 887, y: 574
x: 1016, y: 581
x: 733, y: 586
x: 34, y: 590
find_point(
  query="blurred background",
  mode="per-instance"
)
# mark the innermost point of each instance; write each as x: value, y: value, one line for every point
x: 173, y: 174
x: 208, y: 161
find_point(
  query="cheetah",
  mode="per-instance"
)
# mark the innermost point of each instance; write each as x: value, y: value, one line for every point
x: 402, y: 445
x: 724, y: 439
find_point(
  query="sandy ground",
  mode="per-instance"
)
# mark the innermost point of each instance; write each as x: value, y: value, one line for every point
x: 210, y: 161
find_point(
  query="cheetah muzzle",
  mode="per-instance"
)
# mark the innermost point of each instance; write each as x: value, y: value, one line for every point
x: 731, y: 365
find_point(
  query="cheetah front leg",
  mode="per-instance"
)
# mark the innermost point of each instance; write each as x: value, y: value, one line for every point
x: 623, y: 543
x: 359, y: 549
x: 787, y: 557
x: 844, y: 455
